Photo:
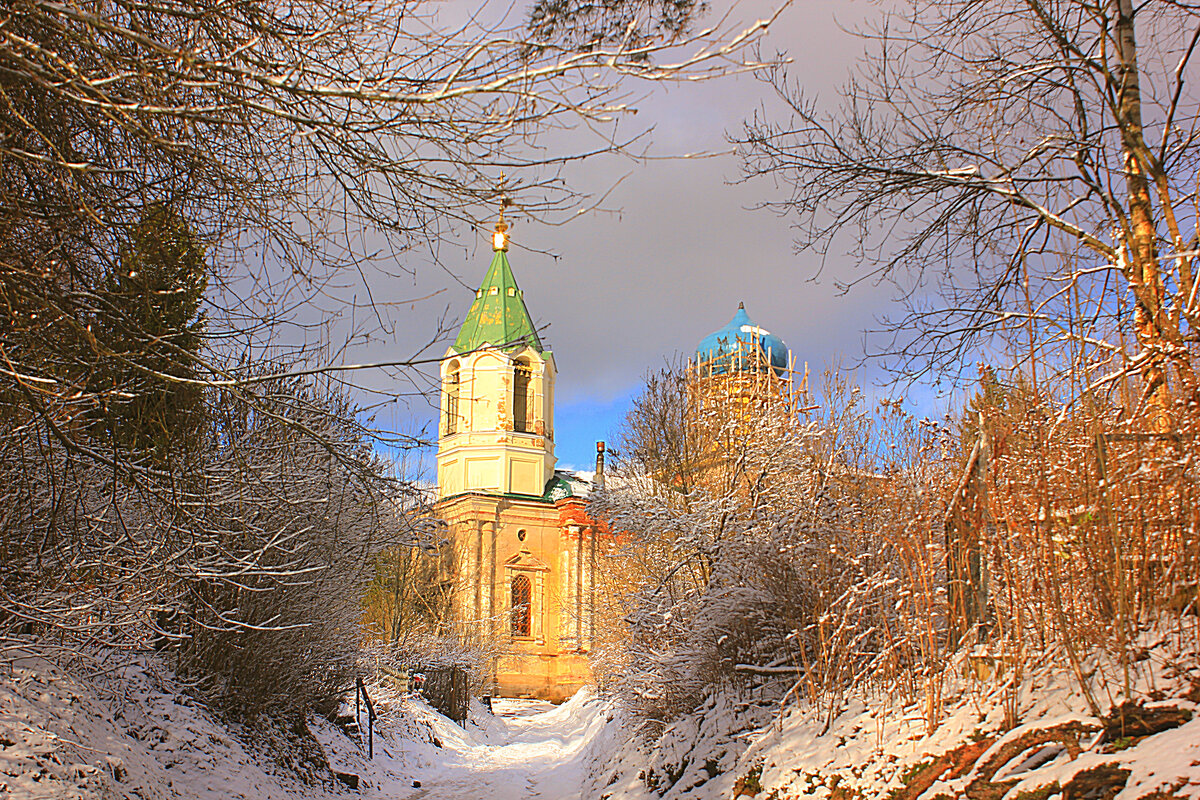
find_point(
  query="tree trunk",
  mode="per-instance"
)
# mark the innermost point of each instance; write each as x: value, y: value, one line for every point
x: 1145, y: 277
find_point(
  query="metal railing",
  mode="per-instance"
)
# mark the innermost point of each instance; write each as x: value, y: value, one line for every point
x: 360, y: 691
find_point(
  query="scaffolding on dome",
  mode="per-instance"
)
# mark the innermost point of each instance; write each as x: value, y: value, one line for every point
x: 745, y: 380
x: 743, y: 395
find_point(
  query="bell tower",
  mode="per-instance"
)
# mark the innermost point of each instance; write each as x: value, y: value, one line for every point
x: 521, y: 552
x: 496, y: 427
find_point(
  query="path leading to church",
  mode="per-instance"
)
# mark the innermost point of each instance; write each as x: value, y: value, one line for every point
x: 528, y: 749
x: 536, y: 750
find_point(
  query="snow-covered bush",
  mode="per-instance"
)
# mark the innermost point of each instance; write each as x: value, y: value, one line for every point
x: 857, y: 550
x: 245, y: 561
x: 768, y: 568
x: 297, y: 506
x: 444, y: 646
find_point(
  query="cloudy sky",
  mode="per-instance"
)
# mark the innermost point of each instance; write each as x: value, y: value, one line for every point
x: 675, y: 248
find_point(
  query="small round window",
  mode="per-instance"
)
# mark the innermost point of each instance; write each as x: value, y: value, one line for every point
x: 521, y: 535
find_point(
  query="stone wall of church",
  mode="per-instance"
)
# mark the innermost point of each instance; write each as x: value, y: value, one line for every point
x: 498, y: 541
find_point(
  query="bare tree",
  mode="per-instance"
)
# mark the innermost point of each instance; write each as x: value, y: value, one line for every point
x: 284, y: 127
x: 998, y: 160
x: 178, y: 180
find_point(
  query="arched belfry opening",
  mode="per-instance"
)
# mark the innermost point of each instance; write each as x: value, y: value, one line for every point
x: 523, y: 404
x: 453, y: 384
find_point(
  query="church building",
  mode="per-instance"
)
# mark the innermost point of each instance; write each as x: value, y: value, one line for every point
x: 524, y: 548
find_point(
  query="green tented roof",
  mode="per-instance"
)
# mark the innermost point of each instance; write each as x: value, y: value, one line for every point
x: 498, y: 316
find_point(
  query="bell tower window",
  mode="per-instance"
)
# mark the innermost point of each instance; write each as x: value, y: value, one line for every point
x: 452, y: 392
x: 522, y: 397
x: 522, y: 596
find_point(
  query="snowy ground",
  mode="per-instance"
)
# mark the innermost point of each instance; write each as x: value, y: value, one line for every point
x: 879, y: 747
x: 528, y: 749
x: 127, y: 731
x: 131, y: 731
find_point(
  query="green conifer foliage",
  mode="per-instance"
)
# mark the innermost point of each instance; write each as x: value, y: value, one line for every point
x: 152, y: 328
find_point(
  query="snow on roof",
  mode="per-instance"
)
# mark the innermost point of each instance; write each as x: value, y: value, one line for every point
x: 568, y: 483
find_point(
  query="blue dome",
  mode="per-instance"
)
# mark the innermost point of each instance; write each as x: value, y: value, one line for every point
x: 719, y: 346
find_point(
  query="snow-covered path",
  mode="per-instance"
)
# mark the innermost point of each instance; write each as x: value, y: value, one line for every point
x: 536, y: 750
x: 528, y: 749
x: 132, y: 732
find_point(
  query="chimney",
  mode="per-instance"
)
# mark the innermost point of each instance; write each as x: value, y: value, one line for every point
x: 598, y: 479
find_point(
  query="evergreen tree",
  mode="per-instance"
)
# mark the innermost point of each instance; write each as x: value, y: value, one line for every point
x: 1004, y: 407
x: 150, y: 329
x: 990, y: 400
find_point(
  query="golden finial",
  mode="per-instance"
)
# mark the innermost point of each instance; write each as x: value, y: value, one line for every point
x: 500, y: 237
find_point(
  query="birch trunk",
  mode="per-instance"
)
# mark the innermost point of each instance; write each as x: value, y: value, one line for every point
x: 1157, y: 333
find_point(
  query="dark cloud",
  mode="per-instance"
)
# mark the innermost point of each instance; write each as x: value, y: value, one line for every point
x: 676, y: 250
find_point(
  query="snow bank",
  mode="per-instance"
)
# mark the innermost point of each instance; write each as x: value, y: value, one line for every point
x: 881, y: 747
x: 877, y: 748
x: 692, y: 758
x: 127, y: 733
